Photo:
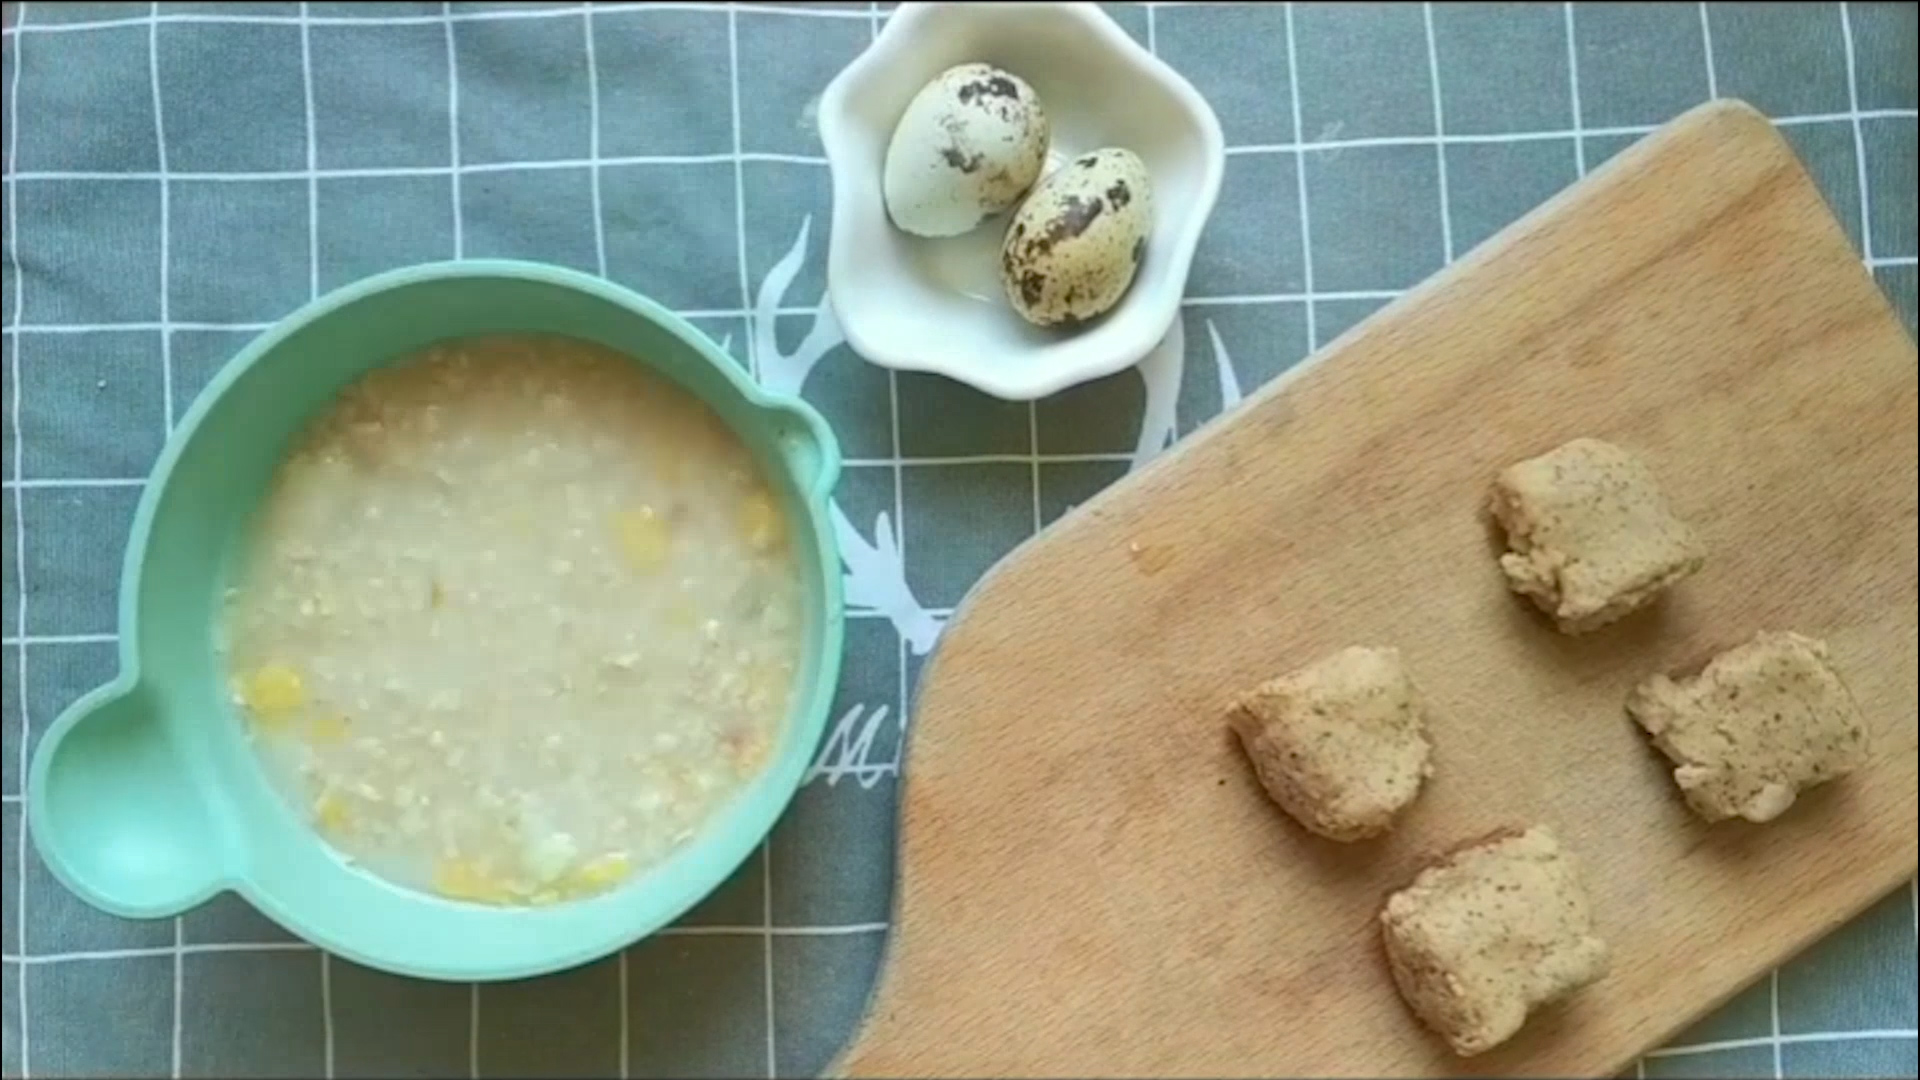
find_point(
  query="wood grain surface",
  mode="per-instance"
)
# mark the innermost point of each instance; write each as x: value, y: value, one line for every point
x: 1091, y: 881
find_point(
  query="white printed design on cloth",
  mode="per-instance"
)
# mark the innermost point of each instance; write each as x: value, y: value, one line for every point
x: 875, y: 578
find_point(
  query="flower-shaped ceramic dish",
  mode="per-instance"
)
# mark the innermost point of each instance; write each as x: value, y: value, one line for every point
x: 914, y: 304
x: 144, y: 797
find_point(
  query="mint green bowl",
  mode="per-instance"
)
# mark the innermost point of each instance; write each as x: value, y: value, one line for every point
x: 144, y: 797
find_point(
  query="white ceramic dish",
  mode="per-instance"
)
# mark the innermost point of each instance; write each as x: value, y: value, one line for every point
x: 914, y: 304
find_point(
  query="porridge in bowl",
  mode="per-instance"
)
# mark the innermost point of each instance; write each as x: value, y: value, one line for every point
x: 516, y: 619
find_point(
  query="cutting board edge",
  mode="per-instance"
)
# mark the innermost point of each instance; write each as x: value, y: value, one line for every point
x: 843, y: 1065
x: 1777, y: 958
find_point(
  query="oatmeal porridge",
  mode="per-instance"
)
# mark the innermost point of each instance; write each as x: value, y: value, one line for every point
x: 517, y: 618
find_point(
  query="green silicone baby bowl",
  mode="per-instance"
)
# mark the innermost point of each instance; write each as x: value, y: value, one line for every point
x: 144, y: 797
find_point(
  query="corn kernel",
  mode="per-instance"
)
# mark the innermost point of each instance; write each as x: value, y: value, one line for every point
x: 760, y: 522
x: 460, y: 879
x: 331, y: 728
x: 596, y: 875
x: 605, y: 870
x: 645, y: 538
x: 273, y: 691
x: 330, y: 814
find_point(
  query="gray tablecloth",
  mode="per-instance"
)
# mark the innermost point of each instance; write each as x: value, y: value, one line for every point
x: 180, y: 175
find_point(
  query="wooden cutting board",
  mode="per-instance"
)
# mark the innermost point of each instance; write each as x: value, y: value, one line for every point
x: 1090, y: 880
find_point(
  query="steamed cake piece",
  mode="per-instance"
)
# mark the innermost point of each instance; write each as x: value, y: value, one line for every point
x: 1759, y: 724
x: 1490, y: 933
x: 1591, y: 535
x: 1341, y: 745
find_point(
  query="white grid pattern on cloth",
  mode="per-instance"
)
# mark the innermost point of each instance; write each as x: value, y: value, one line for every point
x: 313, y: 292
x: 874, y: 19
x: 1859, y: 138
x: 1300, y: 177
x: 1873, y: 261
x: 600, y: 267
x: 19, y: 568
x: 765, y: 854
x: 1239, y: 149
x: 448, y: 15
x: 1877, y: 262
x: 453, y: 134
x: 1440, y: 140
x: 166, y: 397
x: 1573, y: 90
x: 1439, y: 133
x: 459, y: 251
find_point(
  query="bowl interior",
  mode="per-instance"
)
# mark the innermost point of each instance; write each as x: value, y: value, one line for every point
x: 234, y: 440
x: 1098, y: 90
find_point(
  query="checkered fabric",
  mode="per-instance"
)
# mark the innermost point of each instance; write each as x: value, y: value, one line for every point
x: 178, y: 176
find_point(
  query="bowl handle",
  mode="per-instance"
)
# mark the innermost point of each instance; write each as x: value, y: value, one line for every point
x: 115, y: 813
x: 808, y: 447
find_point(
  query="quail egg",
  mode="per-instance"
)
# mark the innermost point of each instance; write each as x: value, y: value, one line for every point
x: 971, y: 142
x: 1071, y: 251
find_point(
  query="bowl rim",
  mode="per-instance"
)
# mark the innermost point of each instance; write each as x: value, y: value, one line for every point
x: 645, y: 903
x: 901, y: 28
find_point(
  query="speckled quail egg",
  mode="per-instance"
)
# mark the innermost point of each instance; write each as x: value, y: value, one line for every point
x: 1071, y: 251
x: 971, y: 142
